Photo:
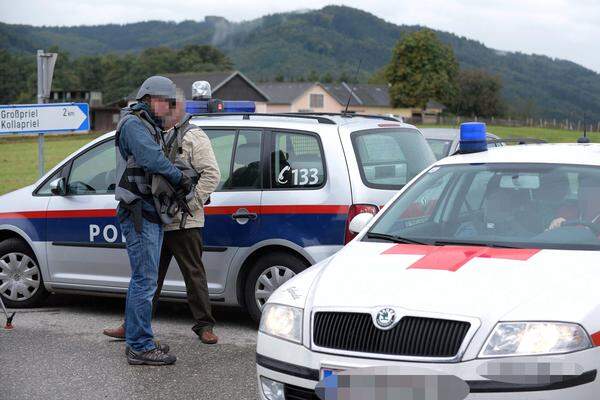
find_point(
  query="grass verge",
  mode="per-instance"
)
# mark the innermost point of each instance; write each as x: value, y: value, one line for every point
x: 19, y: 157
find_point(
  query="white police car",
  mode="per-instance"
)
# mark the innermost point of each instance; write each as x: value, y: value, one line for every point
x: 445, y: 141
x: 479, y: 280
x: 290, y: 185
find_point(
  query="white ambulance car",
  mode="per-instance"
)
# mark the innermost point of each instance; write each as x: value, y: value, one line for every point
x: 479, y: 280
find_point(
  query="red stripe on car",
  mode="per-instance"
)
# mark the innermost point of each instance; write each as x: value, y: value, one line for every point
x: 59, y: 214
x: 224, y: 210
x: 210, y: 210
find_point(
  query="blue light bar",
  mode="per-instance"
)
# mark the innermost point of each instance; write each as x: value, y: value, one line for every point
x: 230, y: 106
x: 473, y: 138
x: 239, y: 106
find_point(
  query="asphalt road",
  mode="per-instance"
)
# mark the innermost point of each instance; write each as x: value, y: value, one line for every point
x: 59, y: 352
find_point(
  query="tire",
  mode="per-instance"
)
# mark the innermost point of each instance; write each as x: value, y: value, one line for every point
x: 287, y: 265
x: 21, y: 282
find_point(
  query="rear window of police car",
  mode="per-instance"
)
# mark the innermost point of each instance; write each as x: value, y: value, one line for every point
x: 389, y: 158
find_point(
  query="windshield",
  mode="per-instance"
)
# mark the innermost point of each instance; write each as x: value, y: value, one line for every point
x: 506, y: 205
x: 389, y: 158
x: 440, y: 147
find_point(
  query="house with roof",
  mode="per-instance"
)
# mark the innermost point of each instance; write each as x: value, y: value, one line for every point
x: 366, y: 98
x: 225, y: 85
x: 332, y: 98
x: 283, y: 97
x: 297, y: 97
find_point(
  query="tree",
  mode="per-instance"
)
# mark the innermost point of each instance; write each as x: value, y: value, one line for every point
x: 421, y: 69
x: 157, y: 60
x: 64, y: 78
x: 312, y: 76
x: 18, y: 73
x: 90, y: 72
x: 195, y: 58
x: 478, y: 94
x: 114, y: 75
x: 327, y: 78
x: 379, y: 77
x: 121, y: 76
x: 344, y: 77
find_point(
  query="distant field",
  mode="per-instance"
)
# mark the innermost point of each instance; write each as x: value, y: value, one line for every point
x: 550, y: 135
x: 18, y: 155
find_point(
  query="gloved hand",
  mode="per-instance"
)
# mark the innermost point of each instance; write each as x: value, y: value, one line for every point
x: 185, y: 184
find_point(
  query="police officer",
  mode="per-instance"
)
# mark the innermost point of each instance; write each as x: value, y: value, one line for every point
x: 186, y: 244
x: 140, y: 154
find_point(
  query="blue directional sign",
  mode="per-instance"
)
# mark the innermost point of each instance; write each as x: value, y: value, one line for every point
x: 43, y: 118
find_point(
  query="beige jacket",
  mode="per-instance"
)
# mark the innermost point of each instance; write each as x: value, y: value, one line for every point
x: 196, y: 148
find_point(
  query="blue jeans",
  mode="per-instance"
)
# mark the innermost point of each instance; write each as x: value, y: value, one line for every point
x: 143, y: 250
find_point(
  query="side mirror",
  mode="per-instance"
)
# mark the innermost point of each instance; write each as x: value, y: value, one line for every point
x: 359, y: 222
x: 58, y: 187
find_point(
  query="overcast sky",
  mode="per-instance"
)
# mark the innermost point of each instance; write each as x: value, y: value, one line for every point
x: 557, y: 28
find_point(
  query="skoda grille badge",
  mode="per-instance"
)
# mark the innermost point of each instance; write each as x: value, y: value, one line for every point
x: 385, y: 317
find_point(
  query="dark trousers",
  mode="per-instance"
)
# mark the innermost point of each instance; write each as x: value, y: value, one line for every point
x: 186, y: 246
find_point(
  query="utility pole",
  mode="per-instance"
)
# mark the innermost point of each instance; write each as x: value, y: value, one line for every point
x: 45, y: 71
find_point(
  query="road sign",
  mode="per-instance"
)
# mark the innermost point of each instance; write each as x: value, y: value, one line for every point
x: 42, y: 118
x: 45, y: 66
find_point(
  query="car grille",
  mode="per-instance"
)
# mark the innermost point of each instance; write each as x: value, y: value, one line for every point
x: 299, y: 393
x: 412, y: 336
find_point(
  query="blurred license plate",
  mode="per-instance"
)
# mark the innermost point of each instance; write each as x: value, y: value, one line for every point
x: 328, y: 371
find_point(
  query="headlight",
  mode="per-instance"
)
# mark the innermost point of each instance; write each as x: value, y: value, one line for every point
x: 272, y: 390
x: 535, y: 338
x: 282, y: 321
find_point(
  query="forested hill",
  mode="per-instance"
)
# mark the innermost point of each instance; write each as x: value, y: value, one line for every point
x: 330, y: 40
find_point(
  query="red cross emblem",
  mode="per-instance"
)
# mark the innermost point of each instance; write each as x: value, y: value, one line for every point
x: 452, y: 258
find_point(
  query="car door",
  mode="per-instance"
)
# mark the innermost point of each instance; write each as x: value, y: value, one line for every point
x: 85, y: 247
x: 232, y: 218
x: 305, y: 204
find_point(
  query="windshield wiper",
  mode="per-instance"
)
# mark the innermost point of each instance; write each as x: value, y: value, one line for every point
x: 400, y: 239
x: 394, y: 238
x: 462, y: 243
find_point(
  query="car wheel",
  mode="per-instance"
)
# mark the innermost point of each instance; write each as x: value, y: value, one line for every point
x: 21, y: 283
x: 267, y: 274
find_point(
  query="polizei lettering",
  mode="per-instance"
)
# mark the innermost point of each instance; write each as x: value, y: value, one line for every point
x: 109, y: 233
x: 19, y: 120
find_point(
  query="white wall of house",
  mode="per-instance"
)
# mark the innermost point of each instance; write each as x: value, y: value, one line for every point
x: 278, y: 108
x: 324, y: 101
x: 261, y: 107
x: 317, y: 99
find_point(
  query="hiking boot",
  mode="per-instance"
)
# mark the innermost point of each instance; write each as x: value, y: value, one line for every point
x: 117, y: 333
x: 163, y: 347
x: 151, y: 357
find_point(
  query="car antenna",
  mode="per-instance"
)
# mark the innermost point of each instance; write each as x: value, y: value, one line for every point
x: 584, y: 138
x: 345, y: 113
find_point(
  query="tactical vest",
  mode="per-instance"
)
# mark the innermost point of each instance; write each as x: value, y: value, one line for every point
x: 132, y: 181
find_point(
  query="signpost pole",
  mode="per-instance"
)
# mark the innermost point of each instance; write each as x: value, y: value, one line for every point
x: 45, y: 70
x: 40, y: 100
